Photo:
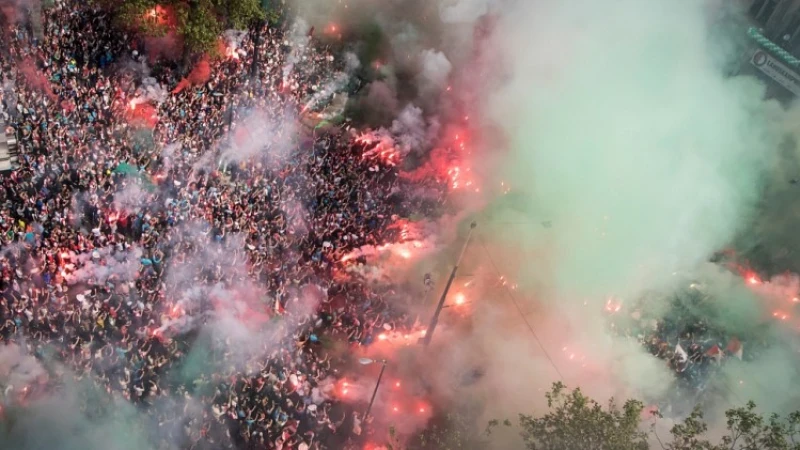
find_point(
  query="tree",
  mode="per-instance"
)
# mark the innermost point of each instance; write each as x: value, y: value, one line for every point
x: 746, y: 430
x: 198, y: 22
x: 577, y: 422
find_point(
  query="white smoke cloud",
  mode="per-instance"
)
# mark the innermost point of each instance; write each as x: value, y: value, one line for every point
x: 262, y: 132
x: 435, y: 71
x: 413, y: 131
x: 18, y: 369
x: 464, y: 11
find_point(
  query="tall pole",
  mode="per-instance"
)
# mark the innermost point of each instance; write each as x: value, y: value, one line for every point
x: 435, y: 319
x: 375, y: 392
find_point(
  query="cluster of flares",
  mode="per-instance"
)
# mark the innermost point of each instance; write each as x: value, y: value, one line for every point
x: 787, y: 295
x: 460, y: 174
x: 381, y: 148
x: 573, y: 355
x: 613, y: 305
x: 504, y: 282
x: 410, y: 244
x: 394, y: 397
x: 156, y: 15
x: 233, y: 52
x: 397, y: 338
x: 404, y: 250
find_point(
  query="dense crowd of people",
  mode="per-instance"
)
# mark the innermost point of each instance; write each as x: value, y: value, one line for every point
x: 150, y: 232
x: 182, y: 239
x: 692, y: 346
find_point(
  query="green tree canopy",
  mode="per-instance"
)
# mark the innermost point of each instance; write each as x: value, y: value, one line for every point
x: 198, y: 22
x: 574, y: 421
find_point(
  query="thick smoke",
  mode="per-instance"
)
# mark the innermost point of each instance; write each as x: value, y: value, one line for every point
x: 17, y: 371
x: 634, y: 155
x: 647, y: 162
x: 270, y: 132
x: 435, y: 72
x: 59, y: 420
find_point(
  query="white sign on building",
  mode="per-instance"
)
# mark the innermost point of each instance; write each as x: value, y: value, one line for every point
x: 777, y: 70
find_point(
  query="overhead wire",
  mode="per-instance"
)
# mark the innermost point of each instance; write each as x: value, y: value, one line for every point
x: 520, y: 312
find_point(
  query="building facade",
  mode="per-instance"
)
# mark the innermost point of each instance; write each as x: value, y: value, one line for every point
x: 779, y: 21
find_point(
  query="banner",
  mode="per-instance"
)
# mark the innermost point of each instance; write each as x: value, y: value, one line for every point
x: 777, y: 70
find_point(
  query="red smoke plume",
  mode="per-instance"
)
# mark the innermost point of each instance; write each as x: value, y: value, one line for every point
x: 36, y: 79
x: 143, y: 113
x: 199, y: 75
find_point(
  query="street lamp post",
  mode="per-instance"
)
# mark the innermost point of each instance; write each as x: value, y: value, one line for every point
x: 366, y: 362
x: 435, y: 319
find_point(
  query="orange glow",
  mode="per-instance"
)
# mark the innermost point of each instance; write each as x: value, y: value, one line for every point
x: 613, y: 306
x: 752, y: 278
x: 332, y: 28
x: 397, y: 385
x: 156, y: 15
x: 231, y: 52
x: 405, y: 253
x: 780, y: 315
x: 382, y: 337
x: 176, y: 311
x: 384, y: 151
x: 460, y: 299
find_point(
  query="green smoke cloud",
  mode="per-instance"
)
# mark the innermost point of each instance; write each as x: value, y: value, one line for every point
x: 629, y: 138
